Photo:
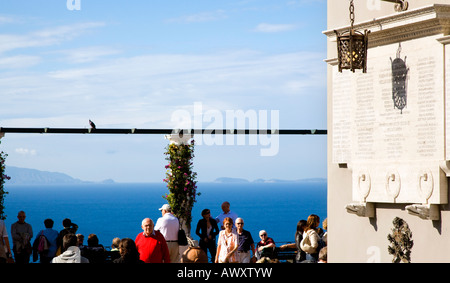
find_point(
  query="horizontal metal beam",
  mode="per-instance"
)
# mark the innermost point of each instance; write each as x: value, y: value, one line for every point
x: 159, y: 131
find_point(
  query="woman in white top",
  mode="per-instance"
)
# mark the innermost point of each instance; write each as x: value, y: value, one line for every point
x: 310, y: 241
x: 227, y: 244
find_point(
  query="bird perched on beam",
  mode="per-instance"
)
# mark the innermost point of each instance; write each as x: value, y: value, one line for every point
x: 92, y: 124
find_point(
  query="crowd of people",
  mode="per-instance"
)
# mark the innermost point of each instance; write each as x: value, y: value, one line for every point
x: 224, y: 237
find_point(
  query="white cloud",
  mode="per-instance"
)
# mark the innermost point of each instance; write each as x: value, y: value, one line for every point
x: 272, y: 28
x: 143, y: 91
x: 25, y: 151
x: 45, y: 37
x: 19, y: 62
x: 87, y: 54
x: 201, y: 17
x: 7, y: 20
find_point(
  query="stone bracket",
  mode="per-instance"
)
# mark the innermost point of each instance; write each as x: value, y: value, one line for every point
x: 424, y: 211
x: 365, y: 209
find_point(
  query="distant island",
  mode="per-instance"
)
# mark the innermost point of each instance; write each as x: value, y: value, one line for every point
x: 241, y: 180
x: 230, y: 180
x: 25, y: 176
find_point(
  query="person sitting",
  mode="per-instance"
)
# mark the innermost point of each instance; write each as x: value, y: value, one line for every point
x: 265, y: 247
x: 71, y: 252
x: 114, y: 253
x: 80, y: 238
x: 94, y: 251
x: 323, y: 255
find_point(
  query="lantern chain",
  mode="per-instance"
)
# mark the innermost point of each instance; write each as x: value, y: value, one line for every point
x: 352, y: 13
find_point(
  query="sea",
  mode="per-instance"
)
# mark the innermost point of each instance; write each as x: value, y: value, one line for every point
x: 116, y: 210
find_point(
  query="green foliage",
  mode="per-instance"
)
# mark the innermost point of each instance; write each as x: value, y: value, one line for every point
x: 180, y: 180
x: 3, y: 177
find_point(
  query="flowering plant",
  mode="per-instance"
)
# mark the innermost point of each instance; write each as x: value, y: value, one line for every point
x: 3, y: 177
x: 180, y: 180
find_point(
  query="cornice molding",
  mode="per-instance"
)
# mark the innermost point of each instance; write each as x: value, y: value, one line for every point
x: 402, y: 26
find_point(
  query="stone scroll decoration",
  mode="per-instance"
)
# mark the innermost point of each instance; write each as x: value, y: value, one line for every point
x: 401, y: 241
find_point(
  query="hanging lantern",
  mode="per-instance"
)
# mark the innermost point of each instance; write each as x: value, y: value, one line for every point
x: 352, y: 47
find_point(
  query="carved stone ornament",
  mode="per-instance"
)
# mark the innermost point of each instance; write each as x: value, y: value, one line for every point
x: 363, y: 185
x: 401, y: 241
x: 365, y: 209
x: 400, y: 5
x: 399, y: 81
x: 393, y: 184
x: 424, y: 211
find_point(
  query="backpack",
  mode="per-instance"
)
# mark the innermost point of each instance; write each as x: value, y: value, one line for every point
x: 43, y: 244
x: 182, y: 239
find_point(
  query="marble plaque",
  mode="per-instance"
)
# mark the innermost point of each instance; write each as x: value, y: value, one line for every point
x: 389, y: 124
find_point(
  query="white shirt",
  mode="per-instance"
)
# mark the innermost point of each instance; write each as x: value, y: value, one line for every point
x: 223, y: 215
x: 168, y: 225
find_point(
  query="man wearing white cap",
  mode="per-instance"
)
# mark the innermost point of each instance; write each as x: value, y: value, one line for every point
x: 169, y: 225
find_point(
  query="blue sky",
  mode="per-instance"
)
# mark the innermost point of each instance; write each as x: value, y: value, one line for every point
x: 137, y: 65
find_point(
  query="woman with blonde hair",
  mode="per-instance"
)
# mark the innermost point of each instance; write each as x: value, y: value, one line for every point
x: 227, y: 243
x: 310, y: 241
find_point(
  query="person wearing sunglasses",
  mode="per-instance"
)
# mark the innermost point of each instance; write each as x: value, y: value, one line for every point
x: 265, y: 247
x: 246, y: 243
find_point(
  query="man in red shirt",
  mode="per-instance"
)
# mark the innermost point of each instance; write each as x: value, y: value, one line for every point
x: 151, y: 244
